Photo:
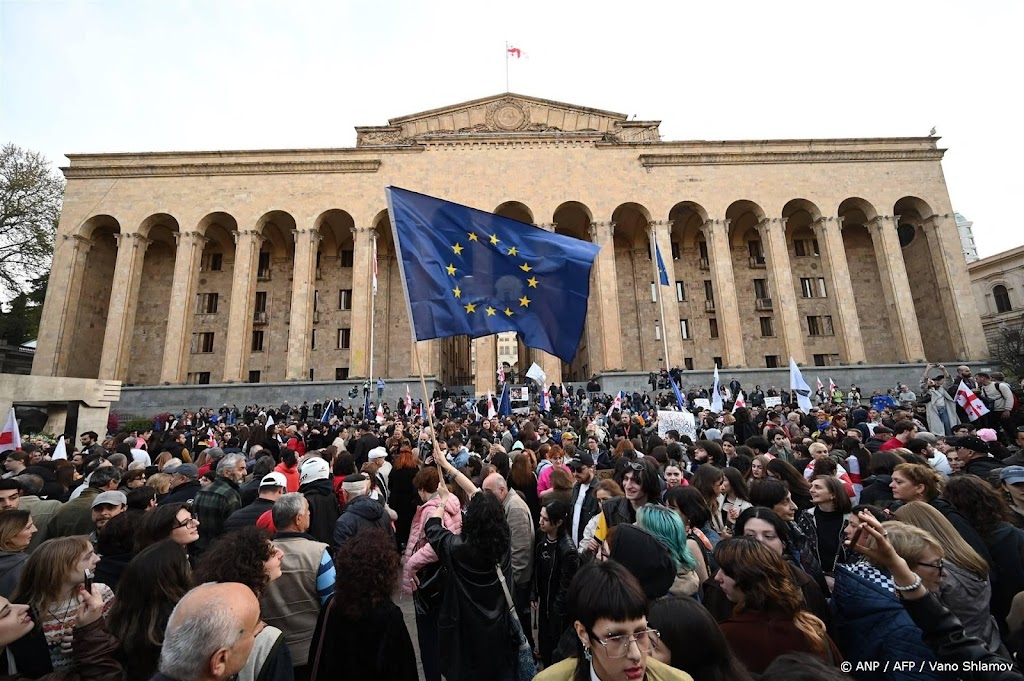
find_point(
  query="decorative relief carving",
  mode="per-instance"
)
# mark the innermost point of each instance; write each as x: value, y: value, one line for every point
x: 382, y: 137
x: 508, y: 114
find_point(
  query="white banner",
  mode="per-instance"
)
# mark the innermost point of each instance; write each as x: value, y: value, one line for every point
x: 702, y: 403
x: 773, y: 401
x: 681, y: 421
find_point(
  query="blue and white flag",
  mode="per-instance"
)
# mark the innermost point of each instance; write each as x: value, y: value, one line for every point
x: 328, y: 413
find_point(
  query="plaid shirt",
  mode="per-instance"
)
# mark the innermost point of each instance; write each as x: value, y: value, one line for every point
x: 212, y: 506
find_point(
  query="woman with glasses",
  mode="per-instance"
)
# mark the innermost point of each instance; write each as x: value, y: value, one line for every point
x: 171, y: 521
x: 769, y: 618
x: 249, y: 557
x: 965, y: 587
x: 869, y: 620
x: 614, y: 641
x: 154, y: 582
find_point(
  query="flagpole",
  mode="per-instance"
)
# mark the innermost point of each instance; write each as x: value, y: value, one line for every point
x: 661, y: 299
x: 506, y: 66
x: 373, y: 296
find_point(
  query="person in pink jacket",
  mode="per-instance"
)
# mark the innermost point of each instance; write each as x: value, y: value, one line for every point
x: 556, y: 457
x: 420, y: 564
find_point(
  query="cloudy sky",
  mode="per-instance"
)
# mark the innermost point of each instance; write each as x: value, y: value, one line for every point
x: 146, y: 75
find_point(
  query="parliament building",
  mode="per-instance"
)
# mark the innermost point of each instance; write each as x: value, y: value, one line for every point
x: 221, y: 267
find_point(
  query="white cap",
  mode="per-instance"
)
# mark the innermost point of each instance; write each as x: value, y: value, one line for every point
x: 274, y: 479
x: 378, y: 453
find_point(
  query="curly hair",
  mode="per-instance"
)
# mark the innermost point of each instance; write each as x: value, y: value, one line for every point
x: 370, y: 561
x: 980, y: 502
x: 427, y: 479
x: 767, y: 585
x: 238, y: 556
x: 924, y: 475
x: 485, y: 529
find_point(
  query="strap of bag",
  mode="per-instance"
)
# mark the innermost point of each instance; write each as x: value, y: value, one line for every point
x: 323, y: 637
x: 504, y: 587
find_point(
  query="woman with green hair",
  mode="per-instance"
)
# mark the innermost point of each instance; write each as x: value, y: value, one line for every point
x: 667, y: 526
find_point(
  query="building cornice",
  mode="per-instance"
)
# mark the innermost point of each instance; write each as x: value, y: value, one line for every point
x: 781, y: 157
x: 222, y: 168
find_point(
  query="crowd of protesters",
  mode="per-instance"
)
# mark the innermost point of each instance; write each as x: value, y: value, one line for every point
x: 581, y: 542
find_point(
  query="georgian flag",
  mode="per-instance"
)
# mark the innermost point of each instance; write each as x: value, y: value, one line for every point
x: 831, y: 386
x: 616, y: 404
x: 739, y: 402
x: 10, y: 436
x: 491, y: 411
x: 820, y: 385
x: 380, y: 412
x: 970, y: 402
x: 408, y: 400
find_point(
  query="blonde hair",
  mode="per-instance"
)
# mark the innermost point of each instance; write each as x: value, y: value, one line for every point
x: 957, y: 551
x: 42, y: 581
x: 817, y: 447
x: 161, y: 482
x: 11, y: 524
x: 911, y: 542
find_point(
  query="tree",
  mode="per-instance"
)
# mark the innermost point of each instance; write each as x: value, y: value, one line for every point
x: 1007, y: 348
x: 20, y: 321
x: 30, y: 202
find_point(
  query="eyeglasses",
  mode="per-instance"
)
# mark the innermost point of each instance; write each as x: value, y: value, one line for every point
x: 618, y: 646
x: 185, y: 523
x: 938, y: 566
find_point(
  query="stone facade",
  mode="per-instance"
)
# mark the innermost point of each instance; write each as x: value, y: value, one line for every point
x: 257, y: 266
x: 998, y: 283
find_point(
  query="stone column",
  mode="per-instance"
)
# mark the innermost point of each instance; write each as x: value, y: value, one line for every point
x: 238, y: 338
x: 961, y: 312
x: 362, y: 290
x: 60, y: 310
x: 181, y: 313
x: 727, y: 309
x: 485, y: 378
x: 124, y: 298
x: 606, y: 296
x: 773, y: 239
x: 660, y: 232
x: 551, y: 365
x: 829, y: 232
x: 896, y: 285
x: 303, y: 286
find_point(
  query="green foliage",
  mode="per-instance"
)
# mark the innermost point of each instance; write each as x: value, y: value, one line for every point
x: 20, y: 322
x: 137, y: 425
x: 1007, y: 348
x: 30, y: 202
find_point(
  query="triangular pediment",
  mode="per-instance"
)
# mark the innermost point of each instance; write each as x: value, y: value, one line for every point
x: 503, y: 115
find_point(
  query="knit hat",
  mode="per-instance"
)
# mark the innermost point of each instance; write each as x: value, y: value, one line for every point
x: 313, y: 469
x: 988, y: 435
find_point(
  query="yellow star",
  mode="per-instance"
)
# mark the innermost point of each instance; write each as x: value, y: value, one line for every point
x: 472, y: 236
x: 513, y: 251
x: 457, y: 291
x: 490, y: 311
x: 508, y: 312
x: 525, y: 267
x: 494, y: 239
x: 451, y: 270
x: 458, y: 249
x: 532, y: 281
x: 525, y: 302
x: 471, y: 307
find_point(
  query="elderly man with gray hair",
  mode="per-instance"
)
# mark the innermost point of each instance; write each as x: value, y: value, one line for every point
x: 210, y: 634
x: 218, y: 500
x: 292, y: 602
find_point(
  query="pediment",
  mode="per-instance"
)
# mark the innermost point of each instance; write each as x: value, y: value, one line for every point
x: 507, y: 115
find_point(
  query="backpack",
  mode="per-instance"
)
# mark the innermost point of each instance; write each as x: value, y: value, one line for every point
x: 1018, y: 396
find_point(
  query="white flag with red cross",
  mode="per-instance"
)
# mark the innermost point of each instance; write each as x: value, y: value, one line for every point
x: 10, y: 436
x: 970, y: 402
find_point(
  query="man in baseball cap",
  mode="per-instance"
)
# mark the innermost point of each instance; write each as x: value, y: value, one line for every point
x: 184, y: 485
x: 105, y: 506
x: 272, y: 486
x: 1012, y: 480
x: 584, y: 499
x: 973, y: 452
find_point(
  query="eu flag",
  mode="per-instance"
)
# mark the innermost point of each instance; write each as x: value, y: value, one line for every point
x: 662, y: 272
x: 467, y: 272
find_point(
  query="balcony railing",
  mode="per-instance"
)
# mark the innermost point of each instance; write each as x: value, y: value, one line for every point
x: 757, y: 261
x: 763, y: 304
x: 704, y: 265
x: 262, y: 274
x: 709, y: 306
x: 260, y: 318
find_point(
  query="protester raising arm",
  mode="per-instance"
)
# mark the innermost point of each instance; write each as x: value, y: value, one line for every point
x: 942, y: 631
x: 457, y: 476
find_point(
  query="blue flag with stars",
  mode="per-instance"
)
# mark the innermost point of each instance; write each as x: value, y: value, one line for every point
x: 662, y: 272
x: 468, y: 272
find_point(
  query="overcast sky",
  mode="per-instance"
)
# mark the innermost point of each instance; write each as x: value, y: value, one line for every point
x: 149, y: 75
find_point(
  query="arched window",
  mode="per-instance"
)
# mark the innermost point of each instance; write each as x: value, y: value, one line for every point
x: 1002, y: 297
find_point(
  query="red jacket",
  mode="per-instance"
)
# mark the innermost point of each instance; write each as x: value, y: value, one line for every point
x: 290, y: 474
